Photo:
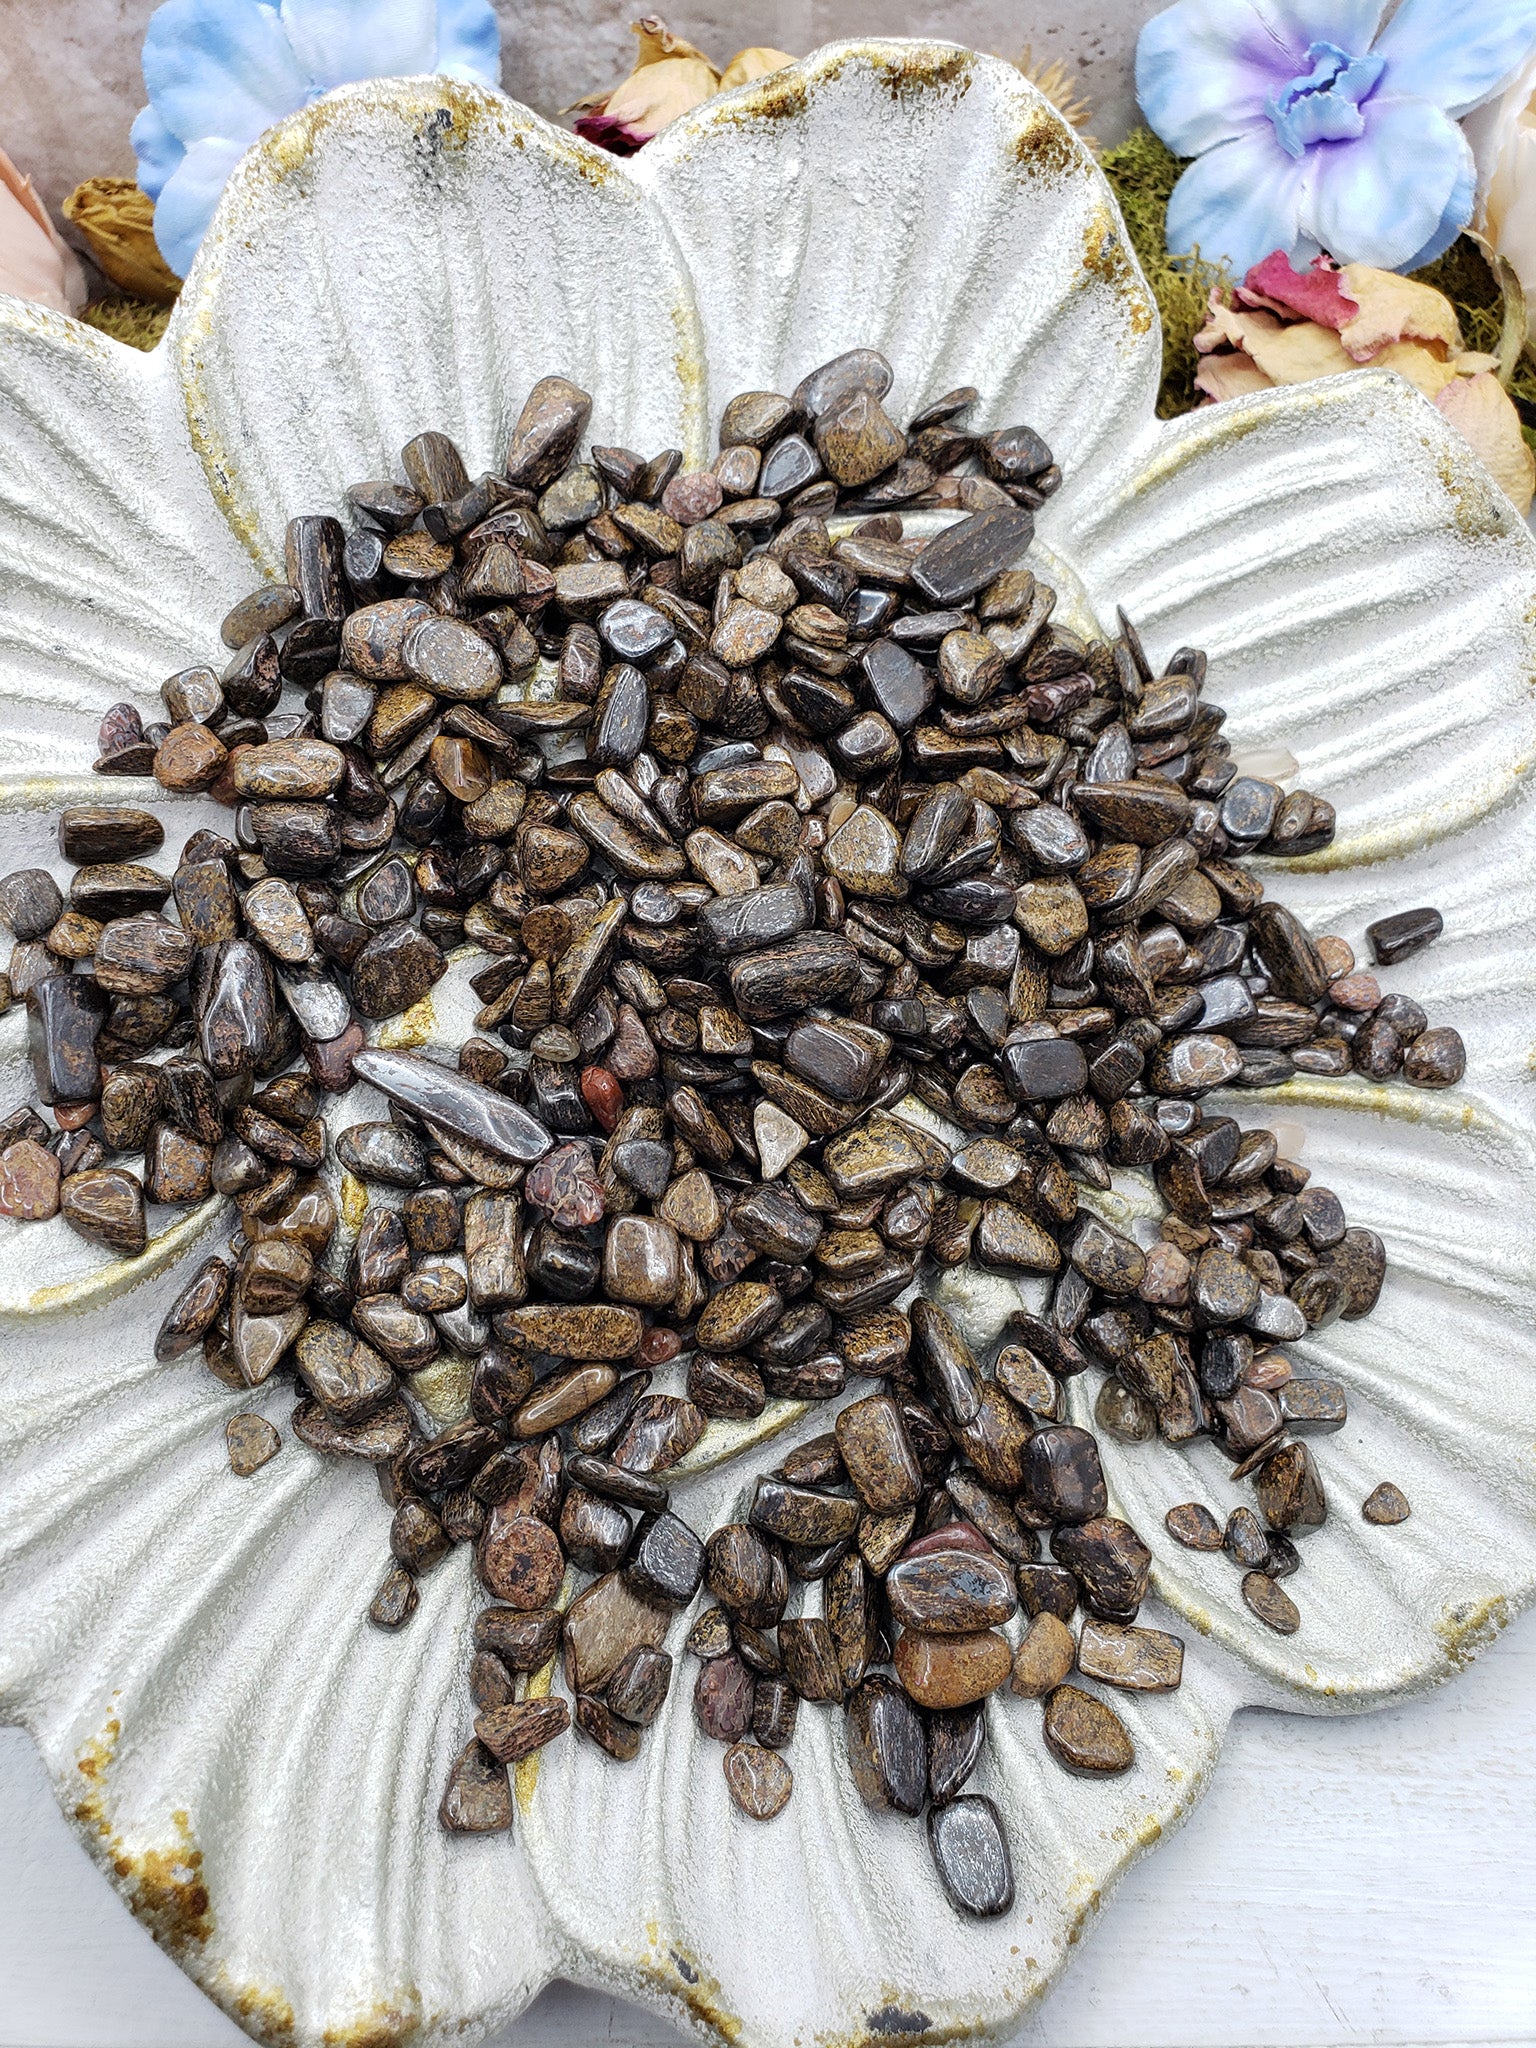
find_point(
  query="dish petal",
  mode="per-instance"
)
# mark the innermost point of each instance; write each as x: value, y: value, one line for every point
x: 256, y: 1769
x: 97, y: 481
x: 824, y: 1924
x: 500, y: 250
x: 923, y: 200
x: 1376, y: 617
x: 1343, y: 557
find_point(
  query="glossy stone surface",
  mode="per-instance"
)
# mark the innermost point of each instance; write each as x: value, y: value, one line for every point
x: 345, y: 1375
x: 970, y: 1853
x: 1084, y: 1735
x: 106, y: 1206
x: 969, y: 555
x: 759, y: 1779
x: 1385, y: 1505
x: 1044, y: 1657
x: 1137, y: 1659
x: 887, y: 1748
x: 951, y: 1671
x: 252, y: 1442
x: 950, y: 1593
x: 457, y: 1104
x: 723, y: 1697
x: 877, y: 1454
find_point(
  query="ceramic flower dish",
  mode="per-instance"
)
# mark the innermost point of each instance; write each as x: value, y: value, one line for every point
x: 254, y: 1767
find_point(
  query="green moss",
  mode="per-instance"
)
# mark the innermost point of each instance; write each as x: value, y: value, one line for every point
x: 1144, y: 172
x: 134, y: 321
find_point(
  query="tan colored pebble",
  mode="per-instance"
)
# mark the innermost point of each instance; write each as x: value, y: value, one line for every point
x: 252, y: 1441
x: 1044, y: 1657
x: 1386, y: 1505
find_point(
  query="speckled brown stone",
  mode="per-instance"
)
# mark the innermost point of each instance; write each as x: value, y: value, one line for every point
x: 1085, y: 1735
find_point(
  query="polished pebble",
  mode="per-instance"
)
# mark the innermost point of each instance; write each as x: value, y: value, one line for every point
x: 760, y: 1781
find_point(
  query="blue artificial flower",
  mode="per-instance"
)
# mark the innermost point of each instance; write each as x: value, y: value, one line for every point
x: 1313, y: 132
x: 218, y: 72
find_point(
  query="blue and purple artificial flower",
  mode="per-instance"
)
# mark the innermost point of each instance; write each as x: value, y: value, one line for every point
x: 1313, y: 127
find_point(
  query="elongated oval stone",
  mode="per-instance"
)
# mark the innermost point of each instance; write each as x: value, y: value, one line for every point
x: 964, y: 558
x: 887, y: 1748
x: 970, y: 1853
x: 454, y: 1101
x: 580, y: 1332
x: 239, y: 1016
x: 877, y: 1454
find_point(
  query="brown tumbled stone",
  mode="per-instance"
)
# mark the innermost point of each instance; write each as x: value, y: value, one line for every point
x: 603, y: 1624
x: 1194, y: 1526
x: 523, y: 1640
x: 620, y: 1739
x: 519, y: 1560
x: 1044, y: 1656
x: 887, y: 1748
x: 342, y: 1372
x: 722, y: 1698
x: 1289, y: 1490
x: 478, y: 1800
x: 1139, y: 1659
x: 877, y: 1455
x: 1271, y: 1603
x: 760, y: 1781
x: 189, y: 758
x: 1085, y: 1735
x: 1385, y: 1505
x: 949, y: 1592
x: 29, y: 1182
x: 107, y: 1207
x: 252, y: 1441
x: 951, y: 1671
x: 517, y: 1729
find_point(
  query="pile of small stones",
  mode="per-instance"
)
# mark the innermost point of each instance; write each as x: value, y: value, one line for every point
x: 815, y: 820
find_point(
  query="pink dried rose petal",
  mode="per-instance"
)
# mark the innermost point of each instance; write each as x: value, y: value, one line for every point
x: 670, y: 78
x: 1318, y: 294
x: 36, y: 262
x: 617, y: 137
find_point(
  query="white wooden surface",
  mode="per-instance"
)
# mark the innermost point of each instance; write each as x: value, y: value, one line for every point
x: 1351, y: 1884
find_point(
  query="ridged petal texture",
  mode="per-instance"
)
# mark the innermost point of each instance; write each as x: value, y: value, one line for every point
x: 257, y: 1769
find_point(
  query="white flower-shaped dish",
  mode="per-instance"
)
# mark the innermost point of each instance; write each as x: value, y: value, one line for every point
x: 256, y: 1768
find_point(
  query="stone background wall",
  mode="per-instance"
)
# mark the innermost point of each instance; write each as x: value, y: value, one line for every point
x: 70, y: 85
